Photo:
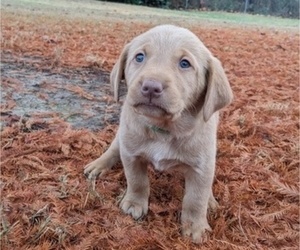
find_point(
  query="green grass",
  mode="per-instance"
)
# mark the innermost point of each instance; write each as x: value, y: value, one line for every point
x: 123, y: 12
x: 247, y: 19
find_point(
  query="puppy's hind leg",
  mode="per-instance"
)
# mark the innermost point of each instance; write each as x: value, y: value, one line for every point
x: 105, y: 162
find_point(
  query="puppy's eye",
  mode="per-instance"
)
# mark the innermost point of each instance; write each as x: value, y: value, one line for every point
x: 184, y: 64
x: 139, y: 57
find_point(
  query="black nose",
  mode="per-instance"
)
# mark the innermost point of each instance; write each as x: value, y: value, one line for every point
x: 151, y: 88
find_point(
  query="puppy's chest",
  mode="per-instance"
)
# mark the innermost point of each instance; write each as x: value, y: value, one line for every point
x: 163, y: 155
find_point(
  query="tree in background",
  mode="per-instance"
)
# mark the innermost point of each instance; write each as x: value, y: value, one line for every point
x: 284, y: 8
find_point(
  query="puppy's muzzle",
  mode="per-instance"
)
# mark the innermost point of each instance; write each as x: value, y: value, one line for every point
x: 151, y: 101
x: 151, y: 89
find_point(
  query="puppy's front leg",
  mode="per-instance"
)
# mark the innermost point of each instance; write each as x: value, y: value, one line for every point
x: 105, y: 162
x: 135, y: 201
x: 195, y: 204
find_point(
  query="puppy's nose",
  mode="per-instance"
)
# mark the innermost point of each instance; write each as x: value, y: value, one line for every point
x: 151, y: 88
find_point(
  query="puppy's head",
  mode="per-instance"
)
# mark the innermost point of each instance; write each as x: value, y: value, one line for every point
x: 168, y: 70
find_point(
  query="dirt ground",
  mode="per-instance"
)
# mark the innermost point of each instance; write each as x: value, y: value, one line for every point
x: 57, y: 114
x: 80, y: 97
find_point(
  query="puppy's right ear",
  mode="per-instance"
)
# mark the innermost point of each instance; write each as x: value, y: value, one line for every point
x: 117, y: 74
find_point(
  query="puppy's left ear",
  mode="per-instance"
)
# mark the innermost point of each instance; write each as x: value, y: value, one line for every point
x: 218, y: 93
x: 117, y: 74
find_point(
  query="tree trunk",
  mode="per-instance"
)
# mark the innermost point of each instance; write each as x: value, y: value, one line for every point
x: 246, y: 5
x: 194, y: 4
x: 186, y: 4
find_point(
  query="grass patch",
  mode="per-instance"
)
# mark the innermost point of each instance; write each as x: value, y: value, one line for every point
x: 244, y: 19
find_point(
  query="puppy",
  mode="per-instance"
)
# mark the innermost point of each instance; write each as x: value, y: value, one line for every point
x: 169, y: 119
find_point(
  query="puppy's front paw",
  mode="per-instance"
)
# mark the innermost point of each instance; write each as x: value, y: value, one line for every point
x: 95, y: 168
x: 136, y: 207
x: 197, y: 231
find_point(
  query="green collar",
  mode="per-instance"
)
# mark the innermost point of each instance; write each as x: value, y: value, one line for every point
x: 159, y: 130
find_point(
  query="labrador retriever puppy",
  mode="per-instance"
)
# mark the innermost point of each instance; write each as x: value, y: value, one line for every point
x: 169, y: 119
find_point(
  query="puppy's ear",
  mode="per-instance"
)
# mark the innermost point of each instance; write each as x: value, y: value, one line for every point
x: 117, y: 74
x: 218, y: 93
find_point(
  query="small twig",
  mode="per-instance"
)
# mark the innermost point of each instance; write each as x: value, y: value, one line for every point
x: 86, y: 199
x: 43, y: 229
x: 6, y: 229
x: 39, y: 212
x: 240, y: 224
x: 8, y: 144
x: 120, y: 197
x: 92, y: 189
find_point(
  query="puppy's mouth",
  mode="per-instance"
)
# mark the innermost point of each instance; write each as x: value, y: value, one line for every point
x: 151, y: 110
